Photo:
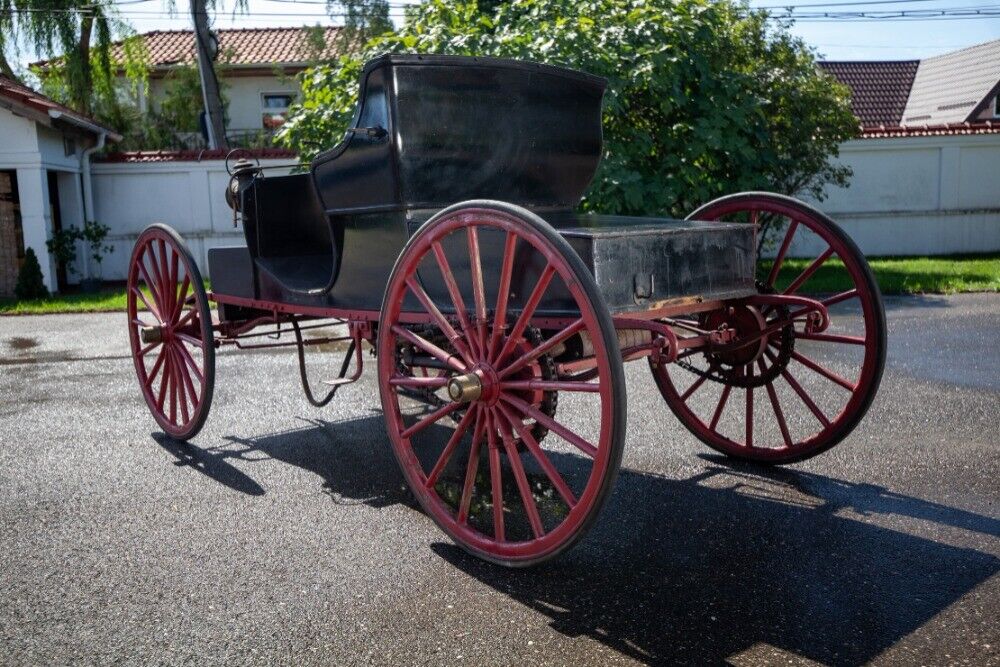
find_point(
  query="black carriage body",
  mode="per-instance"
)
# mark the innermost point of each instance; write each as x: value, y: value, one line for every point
x: 431, y: 131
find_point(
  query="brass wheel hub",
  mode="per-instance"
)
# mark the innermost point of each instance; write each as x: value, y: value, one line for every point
x: 465, y: 388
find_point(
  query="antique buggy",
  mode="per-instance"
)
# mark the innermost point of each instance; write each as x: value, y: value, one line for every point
x: 501, y: 324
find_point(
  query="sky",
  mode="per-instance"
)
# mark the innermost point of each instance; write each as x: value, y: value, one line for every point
x: 867, y: 39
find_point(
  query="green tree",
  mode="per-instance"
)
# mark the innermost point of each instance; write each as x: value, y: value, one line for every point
x: 704, y: 97
x: 81, y: 32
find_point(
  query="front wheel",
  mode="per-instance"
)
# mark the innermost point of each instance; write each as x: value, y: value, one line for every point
x: 170, y: 332
x: 462, y: 324
x: 798, y: 393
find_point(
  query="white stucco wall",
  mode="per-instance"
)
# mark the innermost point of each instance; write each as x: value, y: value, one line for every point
x: 33, y: 149
x: 244, y: 96
x: 908, y: 196
x: 188, y: 196
x: 919, y: 195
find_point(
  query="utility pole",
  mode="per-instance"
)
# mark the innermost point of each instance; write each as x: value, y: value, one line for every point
x: 207, y: 51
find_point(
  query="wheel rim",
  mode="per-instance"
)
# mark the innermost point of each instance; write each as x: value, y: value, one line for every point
x: 484, y: 478
x: 806, y: 391
x: 170, y: 333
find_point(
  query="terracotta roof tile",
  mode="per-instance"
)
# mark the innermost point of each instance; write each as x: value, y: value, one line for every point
x: 196, y: 155
x: 879, y: 88
x: 946, y: 130
x: 247, y: 46
x: 35, y: 101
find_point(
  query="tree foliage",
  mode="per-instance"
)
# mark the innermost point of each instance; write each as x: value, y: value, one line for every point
x: 704, y: 97
x: 79, y: 35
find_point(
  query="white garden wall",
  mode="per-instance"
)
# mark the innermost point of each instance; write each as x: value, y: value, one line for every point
x: 920, y: 195
x: 187, y: 195
x: 908, y: 196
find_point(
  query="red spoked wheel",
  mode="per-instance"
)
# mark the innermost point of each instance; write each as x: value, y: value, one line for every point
x: 483, y: 450
x: 798, y: 392
x: 170, y: 332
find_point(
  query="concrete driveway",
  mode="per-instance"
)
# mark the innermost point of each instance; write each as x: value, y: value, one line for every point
x: 284, y: 535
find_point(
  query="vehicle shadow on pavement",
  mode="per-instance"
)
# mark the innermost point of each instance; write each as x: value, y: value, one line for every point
x: 744, y: 559
x: 736, y: 559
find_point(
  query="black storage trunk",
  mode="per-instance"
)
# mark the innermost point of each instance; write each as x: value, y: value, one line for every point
x: 649, y: 263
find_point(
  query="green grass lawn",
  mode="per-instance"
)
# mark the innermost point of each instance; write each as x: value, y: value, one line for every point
x: 905, y: 275
x: 895, y: 275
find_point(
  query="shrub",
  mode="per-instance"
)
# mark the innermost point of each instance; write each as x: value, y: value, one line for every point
x: 705, y: 97
x: 30, y: 284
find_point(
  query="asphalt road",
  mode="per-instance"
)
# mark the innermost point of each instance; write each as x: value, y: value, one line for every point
x: 283, y: 535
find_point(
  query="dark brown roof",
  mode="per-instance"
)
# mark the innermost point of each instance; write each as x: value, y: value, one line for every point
x: 879, y: 89
x: 948, y: 130
x: 47, y: 110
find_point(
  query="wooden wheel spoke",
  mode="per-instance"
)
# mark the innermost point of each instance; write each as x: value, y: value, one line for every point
x: 822, y: 370
x: 432, y: 418
x: 179, y: 307
x: 496, y: 480
x: 165, y: 278
x: 805, y: 397
x: 189, y: 339
x: 456, y: 295
x: 478, y: 291
x: 503, y: 292
x: 172, y: 280
x: 551, y: 424
x: 538, y: 351
x: 521, y: 480
x: 189, y: 360
x: 694, y: 387
x: 181, y: 389
x: 146, y: 350
x: 144, y: 274
x: 720, y: 407
x: 449, y: 448
x: 157, y: 365
x: 780, y: 257
x: 529, y: 309
x: 550, y: 470
x: 173, y: 387
x: 831, y: 338
x: 749, y: 417
x: 164, y: 382
x: 418, y: 382
x: 187, y: 318
x: 829, y: 301
x: 453, y: 336
x: 550, y: 385
x: 145, y: 301
x: 186, y: 379
x: 472, y: 468
x: 809, y: 270
x: 775, y: 405
x: 429, y: 347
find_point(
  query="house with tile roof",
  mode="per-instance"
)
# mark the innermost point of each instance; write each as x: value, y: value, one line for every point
x: 925, y: 164
x: 258, y: 75
x: 960, y: 88
x: 44, y: 177
x: 258, y: 68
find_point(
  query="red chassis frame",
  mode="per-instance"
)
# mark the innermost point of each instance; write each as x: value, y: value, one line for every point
x: 660, y: 323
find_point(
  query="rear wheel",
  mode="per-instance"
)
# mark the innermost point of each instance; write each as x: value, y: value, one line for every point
x: 170, y: 332
x: 797, y: 393
x: 488, y: 459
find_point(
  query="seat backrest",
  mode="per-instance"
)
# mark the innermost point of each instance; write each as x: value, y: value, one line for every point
x: 462, y: 128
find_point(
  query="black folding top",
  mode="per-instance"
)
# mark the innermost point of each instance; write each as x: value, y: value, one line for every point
x: 442, y: 129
